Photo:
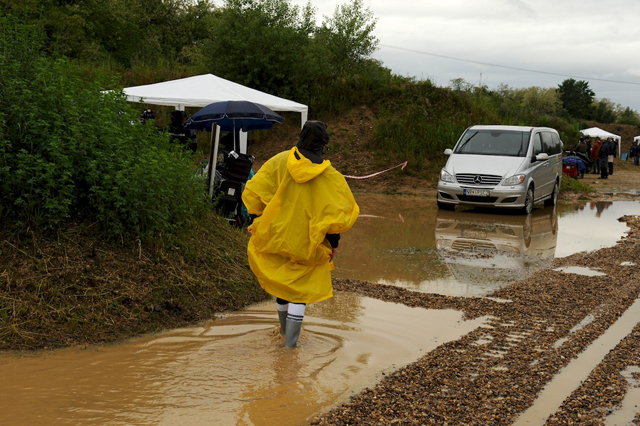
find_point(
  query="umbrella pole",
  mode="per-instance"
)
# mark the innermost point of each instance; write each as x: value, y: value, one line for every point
x: 214, y: 158
x: 210, y: 166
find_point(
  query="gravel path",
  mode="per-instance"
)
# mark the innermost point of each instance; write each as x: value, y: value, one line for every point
x: 492, y: 375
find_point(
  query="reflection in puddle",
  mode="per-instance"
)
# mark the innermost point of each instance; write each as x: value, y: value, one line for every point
x: 232, y: 371
x: 489, y: 251
x: 580, y: 270
x: 407, y: 242
x: 592, y: 226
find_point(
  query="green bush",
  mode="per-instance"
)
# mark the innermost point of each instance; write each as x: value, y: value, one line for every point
x: 69, y: 151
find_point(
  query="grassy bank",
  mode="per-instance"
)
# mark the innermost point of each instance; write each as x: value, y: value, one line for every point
x: 74, y: 288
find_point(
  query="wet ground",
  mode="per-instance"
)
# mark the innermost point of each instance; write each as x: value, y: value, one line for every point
x: 230, y: 371
x: 425, y: 310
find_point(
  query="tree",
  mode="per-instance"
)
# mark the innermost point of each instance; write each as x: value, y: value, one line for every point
x: 538, y: 101
x: 576, y: 97
x: 603, y: 111
x: 131, y: 32
x: 261, y: 44
x: 349, y: 35
x: 628, y: 116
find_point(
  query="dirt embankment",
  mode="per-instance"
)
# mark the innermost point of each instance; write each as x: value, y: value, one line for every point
x: 75, y: 289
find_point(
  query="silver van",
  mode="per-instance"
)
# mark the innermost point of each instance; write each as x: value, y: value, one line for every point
x: 502, y: 166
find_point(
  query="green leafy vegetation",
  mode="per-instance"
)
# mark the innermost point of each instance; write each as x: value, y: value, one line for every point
x: 574, y: 185
x: 70, y: 152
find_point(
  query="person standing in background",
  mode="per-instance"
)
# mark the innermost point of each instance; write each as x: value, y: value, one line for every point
x: 633, y: 151
x: 595, y: 159
x: 581, y: 146
x: 604, y: 158
x: 179, y: 134
x: 613, y: 153
x: 587, y: 140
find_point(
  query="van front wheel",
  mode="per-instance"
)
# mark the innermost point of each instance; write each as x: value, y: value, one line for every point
x: 444, y: 206
x: 554, y: 197
x: 528, y: 202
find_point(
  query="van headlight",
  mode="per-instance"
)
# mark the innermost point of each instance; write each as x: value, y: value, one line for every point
x: 446, y: 177
x: 513, y: 180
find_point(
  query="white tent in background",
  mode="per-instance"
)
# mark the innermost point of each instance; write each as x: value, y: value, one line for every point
x: 636, y: 138
x: 202, y: 90
x: 594, y: 132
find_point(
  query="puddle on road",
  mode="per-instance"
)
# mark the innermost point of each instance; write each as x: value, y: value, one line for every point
x: 232, y: 371
x: 627, y: 412
x: 571, y: 377
x: 592, y: 226
x: 580, y: 270
x: 407, y: 242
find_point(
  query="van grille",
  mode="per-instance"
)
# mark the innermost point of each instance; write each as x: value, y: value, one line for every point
x: 462, y: 245
x: 474, y: 199
x: 473, y: 179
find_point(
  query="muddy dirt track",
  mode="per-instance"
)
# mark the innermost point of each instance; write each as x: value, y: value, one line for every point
x: 538, y: 326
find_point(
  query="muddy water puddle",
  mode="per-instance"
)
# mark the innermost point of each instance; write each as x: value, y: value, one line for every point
x: 407, y: 242
x: 231, y: 371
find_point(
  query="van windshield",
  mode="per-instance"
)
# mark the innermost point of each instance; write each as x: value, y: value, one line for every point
x: 509, y: 143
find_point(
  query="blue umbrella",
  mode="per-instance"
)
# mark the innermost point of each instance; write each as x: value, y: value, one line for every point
x: 233, y: 116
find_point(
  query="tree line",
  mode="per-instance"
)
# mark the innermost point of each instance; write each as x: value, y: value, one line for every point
x: 267, y: 44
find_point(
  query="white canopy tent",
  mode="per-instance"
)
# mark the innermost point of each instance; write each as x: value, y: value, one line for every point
x: 202, y: 90
x: 594, y: 132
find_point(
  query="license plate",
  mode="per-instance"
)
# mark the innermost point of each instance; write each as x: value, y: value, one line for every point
x: 473, y: 234
x: 477, y: 192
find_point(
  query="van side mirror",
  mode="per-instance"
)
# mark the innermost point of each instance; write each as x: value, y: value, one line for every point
x: 448, y: 151
x: 543, y: 156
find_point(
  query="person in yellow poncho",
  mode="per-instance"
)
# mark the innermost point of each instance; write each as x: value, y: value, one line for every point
x: 301, y: 204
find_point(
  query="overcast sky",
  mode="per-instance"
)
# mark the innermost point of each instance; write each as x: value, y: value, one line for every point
x: 596, y: 41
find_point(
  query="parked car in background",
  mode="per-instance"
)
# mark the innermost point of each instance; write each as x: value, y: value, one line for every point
x: 502, y: 166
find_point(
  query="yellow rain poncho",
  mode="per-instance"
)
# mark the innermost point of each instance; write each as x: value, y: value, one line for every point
x: 298, y: 203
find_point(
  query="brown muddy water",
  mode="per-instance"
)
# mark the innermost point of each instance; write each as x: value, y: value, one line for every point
x: 408, y: 242
x: 234, y: 371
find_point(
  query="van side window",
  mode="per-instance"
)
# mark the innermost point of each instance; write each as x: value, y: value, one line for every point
x: 547, y: 143
x: 537, y: 144
x: 557, y: 145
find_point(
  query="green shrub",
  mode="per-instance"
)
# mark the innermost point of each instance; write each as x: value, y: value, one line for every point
x: 571, y: 184
x: 68, y: 151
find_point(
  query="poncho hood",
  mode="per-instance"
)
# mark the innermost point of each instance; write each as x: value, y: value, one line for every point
x: 302, y: 169
x: 313, y: 139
